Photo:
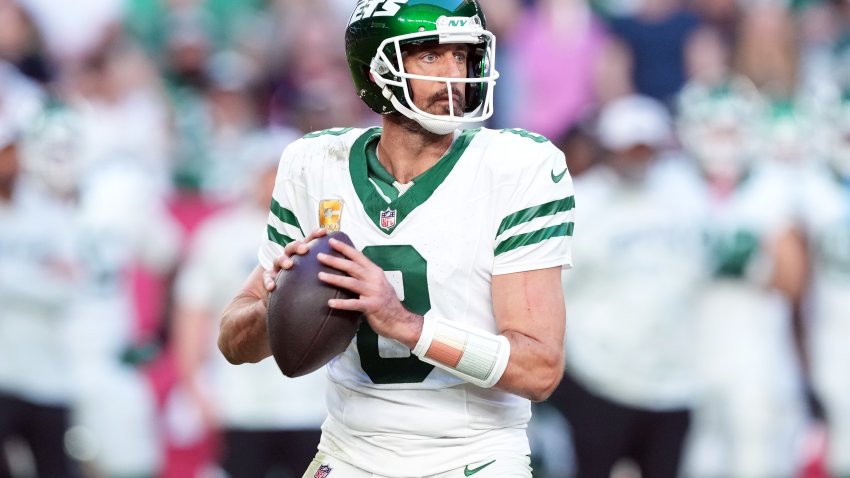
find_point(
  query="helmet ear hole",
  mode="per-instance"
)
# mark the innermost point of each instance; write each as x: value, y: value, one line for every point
x: 475, y: 92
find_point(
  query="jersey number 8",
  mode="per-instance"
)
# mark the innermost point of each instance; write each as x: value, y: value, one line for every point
x: 414, y: 271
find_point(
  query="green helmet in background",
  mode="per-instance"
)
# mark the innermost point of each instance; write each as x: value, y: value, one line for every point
x: 374, y: 40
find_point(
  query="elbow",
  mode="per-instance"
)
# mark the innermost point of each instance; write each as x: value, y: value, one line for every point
x: 227, y: 352
x: 238, y: 353
x: 549, y: 379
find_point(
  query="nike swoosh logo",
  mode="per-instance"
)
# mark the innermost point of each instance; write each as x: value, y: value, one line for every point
x: 557, y: 177
x: 467, y: 471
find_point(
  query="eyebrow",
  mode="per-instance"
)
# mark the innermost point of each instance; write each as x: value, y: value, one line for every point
x: 414, y: 48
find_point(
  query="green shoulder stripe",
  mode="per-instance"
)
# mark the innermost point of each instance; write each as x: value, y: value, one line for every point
x: 534, y: 237
x: 285, y: 215
x: 277, y: 237
x: 329, y: 131
x: 527, y: 214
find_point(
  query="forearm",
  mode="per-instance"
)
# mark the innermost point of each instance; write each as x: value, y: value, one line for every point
x: 510, y: 361
x: 534, y: 370
x: 243, y: 336
x: 191, y: 335
x: 790, y: 272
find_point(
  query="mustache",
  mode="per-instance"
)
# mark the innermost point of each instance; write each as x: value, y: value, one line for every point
x: 457, y: 97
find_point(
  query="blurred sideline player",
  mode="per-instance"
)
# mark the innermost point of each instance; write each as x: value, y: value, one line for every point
x: 270, y: 423
x: 37, y: 268
x: 825, y: 214
x: 749, y: 418
x: 119, y: 222
x: 628, y: 386
x: 461, y: 236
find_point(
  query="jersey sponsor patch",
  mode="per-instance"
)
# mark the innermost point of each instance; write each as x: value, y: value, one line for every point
x: 330, y: 214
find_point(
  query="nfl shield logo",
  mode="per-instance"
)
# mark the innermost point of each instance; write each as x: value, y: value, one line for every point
x: 388, y: 218
x: 323, y: 471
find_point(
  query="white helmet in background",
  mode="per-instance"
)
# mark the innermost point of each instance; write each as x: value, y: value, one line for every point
x: 718, y: 126
x: 788, y: 135
x: 52, y: 150
x: 634, y: 120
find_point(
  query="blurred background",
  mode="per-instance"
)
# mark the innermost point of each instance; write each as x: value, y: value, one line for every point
x: 709, y: 141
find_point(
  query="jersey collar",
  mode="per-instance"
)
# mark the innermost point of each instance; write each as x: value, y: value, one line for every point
x: 363, y: 168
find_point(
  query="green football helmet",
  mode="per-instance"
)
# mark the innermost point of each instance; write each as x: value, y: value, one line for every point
x: 374, y: 42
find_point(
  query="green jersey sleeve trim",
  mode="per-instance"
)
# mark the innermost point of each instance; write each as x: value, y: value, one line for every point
x: 534, y: 237
x: 329, y: 131
x: 285, y: 215
x: 530, y: 213
x: 277, y: 237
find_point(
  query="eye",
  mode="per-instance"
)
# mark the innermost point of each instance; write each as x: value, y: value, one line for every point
x: 428, y: 57
x: 460, y: 56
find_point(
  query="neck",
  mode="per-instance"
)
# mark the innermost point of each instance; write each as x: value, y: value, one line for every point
x: 407, y: 150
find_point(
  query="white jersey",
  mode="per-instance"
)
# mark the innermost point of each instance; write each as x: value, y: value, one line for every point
x: 630, y: 297
x: 750, y: 412
x: 36, y: 287
x: 744, y: 322
x: 825, y: 214
x: 497, y: 202
x: 249, y: 396
x: 122, y: 223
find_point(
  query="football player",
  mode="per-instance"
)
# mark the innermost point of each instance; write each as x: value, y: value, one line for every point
x: 750, y: 416
x: 37, y: 284
x: 114, y: 413
x: 825, y: 214
x: 460, y: 239
x: 628, y: 386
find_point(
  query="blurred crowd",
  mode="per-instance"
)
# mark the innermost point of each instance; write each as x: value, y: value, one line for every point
x: 708, y: 309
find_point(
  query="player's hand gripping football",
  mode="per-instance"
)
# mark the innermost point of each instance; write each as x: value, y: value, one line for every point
x: 378, y: 300
x: 284, y: 261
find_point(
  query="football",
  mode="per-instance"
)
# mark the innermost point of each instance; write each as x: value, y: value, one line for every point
x: 304, y: 332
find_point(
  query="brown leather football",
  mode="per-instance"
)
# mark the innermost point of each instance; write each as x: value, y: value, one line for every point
x: 304, y: 332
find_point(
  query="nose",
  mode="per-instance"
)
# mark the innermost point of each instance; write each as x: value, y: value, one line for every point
x: 450, y: 67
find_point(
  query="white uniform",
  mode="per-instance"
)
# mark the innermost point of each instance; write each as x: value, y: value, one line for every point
x: 825, y: 213
x: 498, y: 202
x: 630, y: 298
x: 251, y: 396
x: 36, y: 287
x: 121, y: 223
x: 750, y: 414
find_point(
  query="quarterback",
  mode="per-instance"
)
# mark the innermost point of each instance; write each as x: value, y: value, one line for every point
x: 460, y: 235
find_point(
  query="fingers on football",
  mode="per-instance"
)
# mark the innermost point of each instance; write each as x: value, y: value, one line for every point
x: 303, y: 246
x: 344, y: 282
x: 282, y: 262
x: 349, y: 252
x: 269, y: 280
x: 345, y: 304
x: 316, y: 233
x: 341, y: 264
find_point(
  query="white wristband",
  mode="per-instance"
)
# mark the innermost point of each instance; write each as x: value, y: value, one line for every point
x: 477, y: 356
x: 429, y: 323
